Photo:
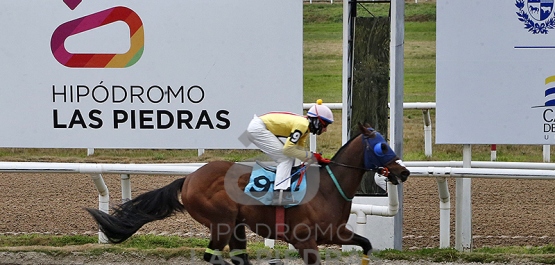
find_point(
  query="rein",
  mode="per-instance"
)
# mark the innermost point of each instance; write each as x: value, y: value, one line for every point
x: 337, y: 185
x: 381, y: 170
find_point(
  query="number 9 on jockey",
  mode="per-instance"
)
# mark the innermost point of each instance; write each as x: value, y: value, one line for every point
x: 265, y: 130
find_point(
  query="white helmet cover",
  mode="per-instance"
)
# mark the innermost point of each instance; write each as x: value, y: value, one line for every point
x: 322, y: 111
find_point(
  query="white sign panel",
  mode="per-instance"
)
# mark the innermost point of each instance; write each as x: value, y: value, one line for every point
x: 145, y: 74
x: 495, y: 72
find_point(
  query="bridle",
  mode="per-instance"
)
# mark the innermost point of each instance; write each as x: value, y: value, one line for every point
x: 384, y: 171
x: 380, y: 170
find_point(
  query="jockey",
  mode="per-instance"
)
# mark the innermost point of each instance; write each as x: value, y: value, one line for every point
x: 264, y: 131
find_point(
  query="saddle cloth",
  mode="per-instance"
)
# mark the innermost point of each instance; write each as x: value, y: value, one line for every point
x: 261, y: 185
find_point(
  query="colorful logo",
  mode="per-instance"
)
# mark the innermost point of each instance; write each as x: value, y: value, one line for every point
x: 548, y: 107
x: 72, y: 4
x: 536, y: 15
x: 550, y: 91
x: 102, y: 18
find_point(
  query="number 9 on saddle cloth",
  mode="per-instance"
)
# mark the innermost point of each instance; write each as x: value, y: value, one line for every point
x: 261, y: 184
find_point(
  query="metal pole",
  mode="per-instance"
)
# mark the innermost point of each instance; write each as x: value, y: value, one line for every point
x: 396, y: 94
x: 103, y: 201
x: 347, y: 67
x: 444, y: 212
x: 427, y: 133
x: 313, y: 143
x: 546, y: 153
x: 125, y: 188
x: 463, y: 202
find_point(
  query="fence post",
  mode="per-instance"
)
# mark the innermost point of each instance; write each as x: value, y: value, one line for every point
x: 427, y: 133
x: 312, y: 142
x: 125, y: 188
x: 103, y: 201
x: 463, y: 204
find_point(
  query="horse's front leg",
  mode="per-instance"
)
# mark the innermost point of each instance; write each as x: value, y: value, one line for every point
x: 348, y: 237
x: 308, y: 250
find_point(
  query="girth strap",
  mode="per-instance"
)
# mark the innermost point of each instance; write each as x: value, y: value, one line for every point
x: 280, y: 222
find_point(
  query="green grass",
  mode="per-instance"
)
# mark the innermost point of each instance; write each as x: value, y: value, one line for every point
x: 420, y: 57
x: 323, y: 33
x: 42, y: 240
x: 541, y: 255
x: 173, y: 246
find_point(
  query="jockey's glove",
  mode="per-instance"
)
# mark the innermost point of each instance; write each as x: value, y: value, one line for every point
x: 322, y: 161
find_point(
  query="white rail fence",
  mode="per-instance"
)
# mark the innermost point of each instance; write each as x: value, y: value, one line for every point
x: 441, y: 170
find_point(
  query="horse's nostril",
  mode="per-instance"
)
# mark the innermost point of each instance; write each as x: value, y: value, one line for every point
x: 405, y: 174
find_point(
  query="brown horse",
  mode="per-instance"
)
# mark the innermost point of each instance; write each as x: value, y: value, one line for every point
x: 213, y: 195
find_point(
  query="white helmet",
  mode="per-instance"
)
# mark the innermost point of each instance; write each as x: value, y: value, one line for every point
x: 321, y: 111
x: 319, y: 117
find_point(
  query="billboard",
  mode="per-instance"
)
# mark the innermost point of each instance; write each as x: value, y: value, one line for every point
x: 145, y: 74
x: 495, y: 72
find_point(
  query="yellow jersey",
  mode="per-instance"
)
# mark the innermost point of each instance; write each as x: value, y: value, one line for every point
x: 292, y: 126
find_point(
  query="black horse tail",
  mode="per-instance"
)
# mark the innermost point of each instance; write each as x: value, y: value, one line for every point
x: 132, y: 215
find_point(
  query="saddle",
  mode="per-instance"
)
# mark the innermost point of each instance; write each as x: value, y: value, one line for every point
x: 261, y: 185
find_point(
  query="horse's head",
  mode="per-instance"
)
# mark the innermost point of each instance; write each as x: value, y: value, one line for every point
x: 379, y: 156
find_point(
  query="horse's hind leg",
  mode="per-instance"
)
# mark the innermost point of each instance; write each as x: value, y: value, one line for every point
x: 219, y: 237
x: 238, y: 246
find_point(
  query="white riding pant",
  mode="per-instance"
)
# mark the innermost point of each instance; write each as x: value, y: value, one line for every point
x: 273, y: 147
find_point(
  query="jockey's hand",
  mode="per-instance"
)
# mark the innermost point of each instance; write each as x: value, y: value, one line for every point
x: 322, y: 161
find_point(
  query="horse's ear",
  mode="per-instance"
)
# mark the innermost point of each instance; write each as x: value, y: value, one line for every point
x: 361, y: 128
x: 364, y: 129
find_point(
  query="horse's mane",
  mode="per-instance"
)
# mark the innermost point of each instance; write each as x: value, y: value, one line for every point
x: 344, y: 146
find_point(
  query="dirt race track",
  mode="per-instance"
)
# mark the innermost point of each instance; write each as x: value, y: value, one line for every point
x: 505, y: 212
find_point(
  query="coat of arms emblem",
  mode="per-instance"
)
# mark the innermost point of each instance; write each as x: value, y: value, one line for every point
x: 537, y: 15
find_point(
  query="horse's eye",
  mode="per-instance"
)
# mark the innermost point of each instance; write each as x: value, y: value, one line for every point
x: 380, y: 149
